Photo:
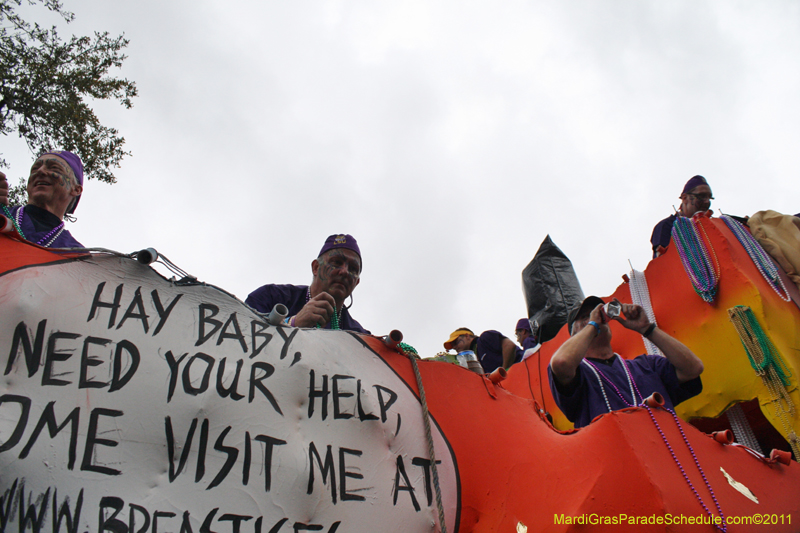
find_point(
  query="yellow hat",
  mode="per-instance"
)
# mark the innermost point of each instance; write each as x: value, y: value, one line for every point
x: 456, y: 334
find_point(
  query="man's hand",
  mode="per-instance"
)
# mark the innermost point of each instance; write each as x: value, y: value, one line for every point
x: 3, y: 189
x: 633, y: 317
x: 317, y: 311
x: 569, y: 355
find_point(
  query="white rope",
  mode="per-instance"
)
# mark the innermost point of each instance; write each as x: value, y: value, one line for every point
x: 426, y: 419
x: 741, y: 428
x: 640, y: 295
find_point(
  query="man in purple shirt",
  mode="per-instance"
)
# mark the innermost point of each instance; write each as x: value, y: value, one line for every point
x: 525, y: 338
x: 336, y: 272
x: 588, y: 379
x: 524, y: 334
x: 54, y: 188
x: 696, y: 197
x: 492, y: 348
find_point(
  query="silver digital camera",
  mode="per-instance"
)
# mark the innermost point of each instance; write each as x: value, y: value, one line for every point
x: 612, y: 309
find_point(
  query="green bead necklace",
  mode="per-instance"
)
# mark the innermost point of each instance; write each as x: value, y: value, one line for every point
x: 334, y: 318
x: 13, y: 221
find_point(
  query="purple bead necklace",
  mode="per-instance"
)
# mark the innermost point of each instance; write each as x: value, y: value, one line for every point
x: 45, y: 241
x: 631, y: 383
x: 598, y: 373
x: 722, y: 527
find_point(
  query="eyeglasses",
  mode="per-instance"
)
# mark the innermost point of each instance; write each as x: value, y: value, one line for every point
x: 703, y: 197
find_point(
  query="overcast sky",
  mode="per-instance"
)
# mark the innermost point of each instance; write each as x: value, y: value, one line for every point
x: 448, y: 137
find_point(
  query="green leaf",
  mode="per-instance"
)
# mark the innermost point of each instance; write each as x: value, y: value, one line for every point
x: 47, y: 84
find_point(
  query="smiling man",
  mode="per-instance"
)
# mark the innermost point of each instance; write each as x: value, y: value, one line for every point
x: 54, y: 188
x: 336, y: 272
x: 695, y: 198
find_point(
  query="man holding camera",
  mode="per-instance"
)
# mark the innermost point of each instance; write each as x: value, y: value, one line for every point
x: 588, y: 378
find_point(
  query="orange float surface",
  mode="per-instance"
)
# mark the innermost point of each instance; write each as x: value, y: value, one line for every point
x: 705, y: 328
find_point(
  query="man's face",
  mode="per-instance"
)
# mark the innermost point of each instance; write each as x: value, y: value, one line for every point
x: 583, y: 321
x: 51, y: 184
x: 699, y: 199
x: 462, y: 343
x: 580, y: 323
x: 522, y: 334
x: 338, y: 272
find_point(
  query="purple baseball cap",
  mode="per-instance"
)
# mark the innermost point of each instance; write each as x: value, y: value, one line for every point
x: 696, y: 181
x: 76, y: 165
x: 523, y: 323
x: 341, y: 241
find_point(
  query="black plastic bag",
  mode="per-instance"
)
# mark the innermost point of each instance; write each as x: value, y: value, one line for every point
x: 551, y: 290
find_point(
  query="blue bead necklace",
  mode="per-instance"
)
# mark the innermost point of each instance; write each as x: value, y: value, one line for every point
x: 759, y: 256
x: 695, y: 258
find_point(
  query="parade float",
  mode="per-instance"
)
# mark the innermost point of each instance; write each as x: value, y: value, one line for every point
x: 718, y: 291
x: 133, y: 403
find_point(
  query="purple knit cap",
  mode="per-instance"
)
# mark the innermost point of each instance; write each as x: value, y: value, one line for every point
x: 341, y: 241
x: 523, y: 323
x: 696, y: 181
x: 76, y: 165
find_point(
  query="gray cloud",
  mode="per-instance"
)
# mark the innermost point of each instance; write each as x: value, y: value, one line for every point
x: 448, y: 137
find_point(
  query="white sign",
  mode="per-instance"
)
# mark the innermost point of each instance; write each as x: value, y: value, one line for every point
x: 130, y: 404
